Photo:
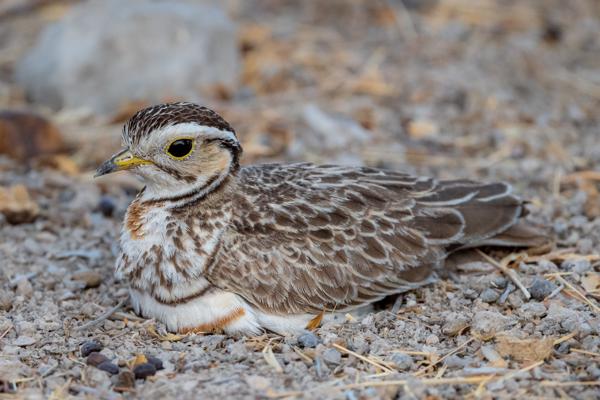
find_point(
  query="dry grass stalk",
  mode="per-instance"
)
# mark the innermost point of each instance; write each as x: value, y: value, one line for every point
x: 510, y: 273
x: 270, y: 358
x: 376, y: 364
x: 579, y: 295
x: 102, y: 317
x: 589, y: 353
x: 567, y: 384
x: 452, y: 352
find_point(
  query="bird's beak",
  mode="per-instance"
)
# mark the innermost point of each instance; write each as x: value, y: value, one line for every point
x: 121, y: 161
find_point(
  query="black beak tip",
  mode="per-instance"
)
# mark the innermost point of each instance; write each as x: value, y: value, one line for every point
x: 105, y: 168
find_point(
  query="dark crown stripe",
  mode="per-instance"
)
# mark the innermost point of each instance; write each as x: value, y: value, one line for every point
x: 150, y: 119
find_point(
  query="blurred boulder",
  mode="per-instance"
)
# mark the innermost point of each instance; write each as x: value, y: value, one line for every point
x: 16, y: 204
x: 24, y: 135
x: 106, y: 53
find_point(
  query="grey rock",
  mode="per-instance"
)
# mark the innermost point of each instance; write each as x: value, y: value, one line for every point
x: 24, y: 288
x: 532, y: 309
x: 489, y: 295
x: 308, y: 339
x: 5, y: 301
x: 402, y: 361
x: 106, y: 53
x: 454, y: 323
x: 541, y: 288
x: 578, y: 266
x: 332, y: 356
x: 488, y: 323
x: 24, y: 341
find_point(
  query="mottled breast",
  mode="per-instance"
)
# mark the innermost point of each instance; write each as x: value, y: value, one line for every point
x: 164, y: 252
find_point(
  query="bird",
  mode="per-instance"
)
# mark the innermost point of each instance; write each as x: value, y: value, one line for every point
x: 209, y: 245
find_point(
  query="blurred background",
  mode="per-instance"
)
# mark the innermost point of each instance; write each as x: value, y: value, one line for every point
x: 489, y: 89
x: 480, y: 89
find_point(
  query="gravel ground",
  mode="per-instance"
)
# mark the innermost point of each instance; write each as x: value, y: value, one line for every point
x: 494, y: 91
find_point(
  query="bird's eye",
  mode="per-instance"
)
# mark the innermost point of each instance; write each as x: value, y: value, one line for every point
x: 180, y: 148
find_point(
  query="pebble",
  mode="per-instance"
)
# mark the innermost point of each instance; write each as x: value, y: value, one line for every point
x: 106, y: 206
x: 488, y: 323
x: 89, y: 347
x: 5, y: 301
x: 24, y: 288
x: 578, y: 265
x: 95, y: 359
x: 432, y: 339
x: 108, y: 367
x: 454, y: 323
x: 157, y: 362
x: 144, y: 370
x: 541, y: 288
x: 308, y: 339
x: 24, y: 341
x: 332, y: 356
x: 532, y: 309
x: 489, y: 295
x: 92, y: 279
x: 125, y: 380
x: 402, y: 361
x: 585, y: 246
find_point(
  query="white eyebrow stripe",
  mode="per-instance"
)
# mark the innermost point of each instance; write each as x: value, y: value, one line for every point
x: 189, y: 128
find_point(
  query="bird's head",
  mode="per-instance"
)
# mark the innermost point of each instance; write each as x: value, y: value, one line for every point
x: 175, y: 148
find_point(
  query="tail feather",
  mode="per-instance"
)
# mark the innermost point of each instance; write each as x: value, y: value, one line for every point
x: 464, y: 214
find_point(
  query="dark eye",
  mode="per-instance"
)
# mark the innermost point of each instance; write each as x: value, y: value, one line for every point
x: 180, y: 148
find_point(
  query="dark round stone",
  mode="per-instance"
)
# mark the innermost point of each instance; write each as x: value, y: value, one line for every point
x: 157, y: 362
x: 95, y: 359
x: 308, y: 339
x: 541, y: 288
x: 142, y: 371
x: 108, y: 367
x: 107, y: 206
x: 89, y: 347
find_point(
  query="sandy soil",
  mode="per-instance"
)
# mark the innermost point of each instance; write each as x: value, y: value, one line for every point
x: 452, y: 89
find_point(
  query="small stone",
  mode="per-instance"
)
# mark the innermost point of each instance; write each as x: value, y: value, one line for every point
x: 578, y: 266
x: 95, y: 359
x: 432, y: 339
x: 108, y: 367
x: 487, y: 323
x: 157, y: 362
x: 24, y: 341
x: 308, y: 339
x: 532, y: 309
x: 5, y: 301
x: 144, y: 370
x: 24, y: 288
x: 125, y: 381
x: 585, y: 246
x: 454, y: 323
x: 89, y: 347
x: 106, y: 206
x: 541, y: 288
x: 92, y: 279
x: 16, y: 205
x: 332, y: 356
x: 402, y: 361
x: 489, y: 295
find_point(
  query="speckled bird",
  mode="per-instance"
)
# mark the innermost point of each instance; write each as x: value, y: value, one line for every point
x: 209, y: 245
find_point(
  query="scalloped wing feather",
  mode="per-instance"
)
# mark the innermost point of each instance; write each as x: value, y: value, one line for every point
x: 305, y: 238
